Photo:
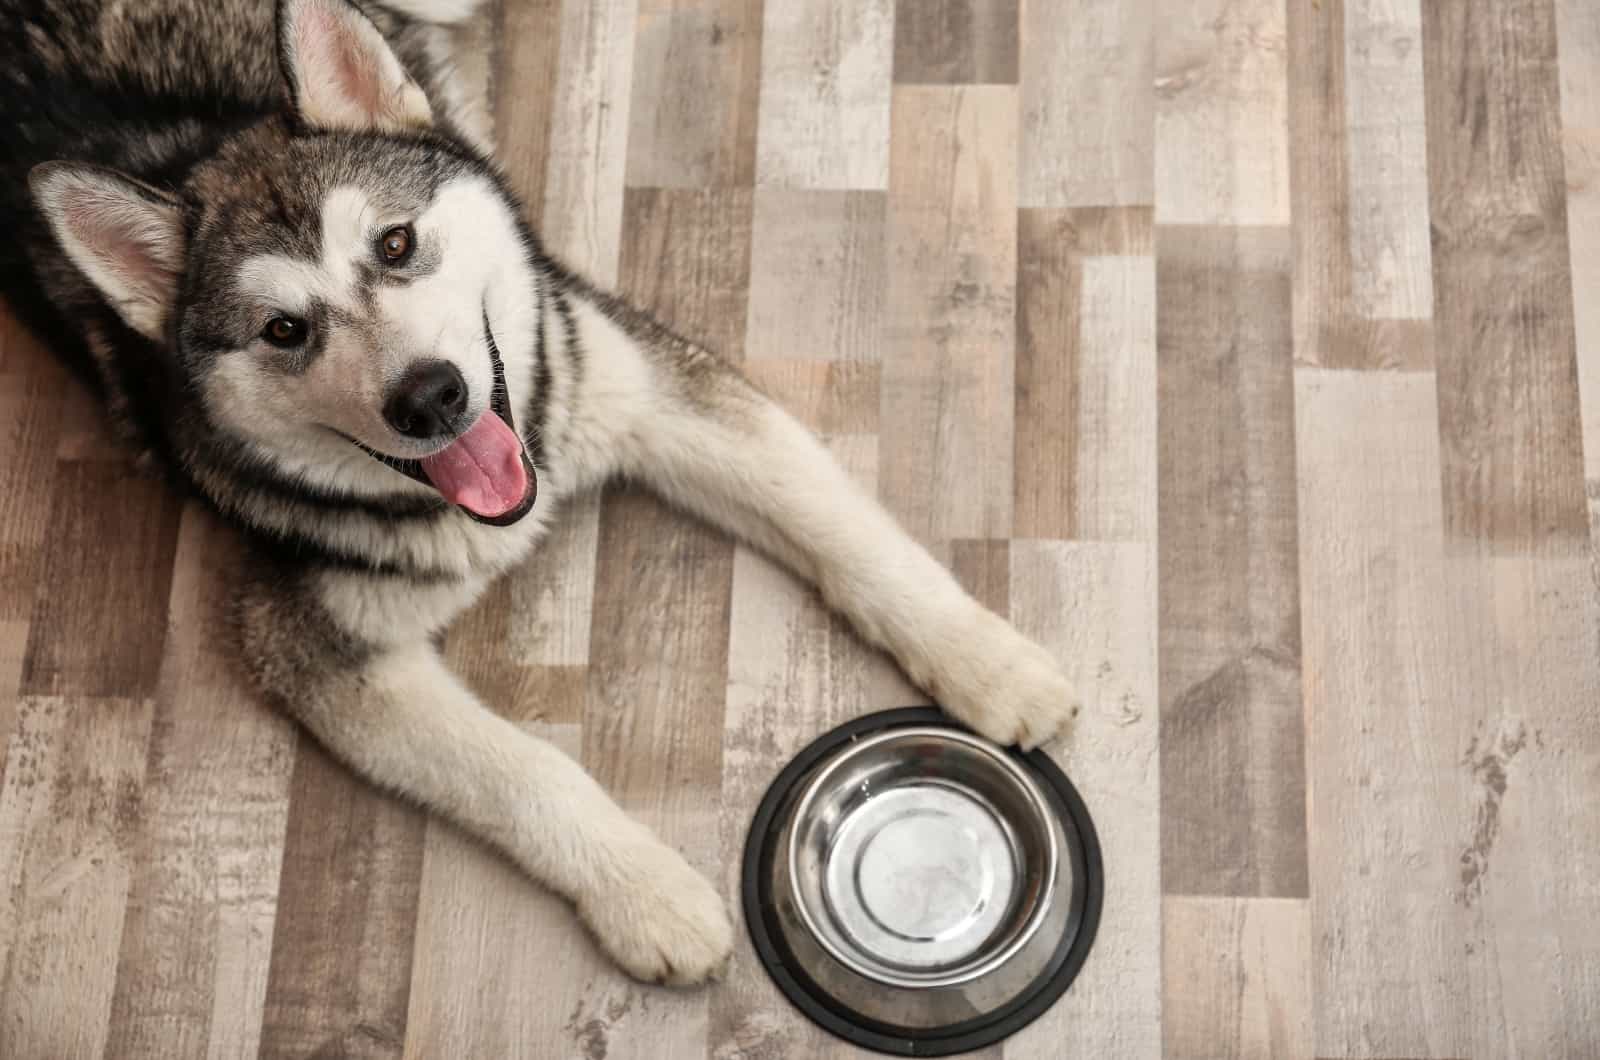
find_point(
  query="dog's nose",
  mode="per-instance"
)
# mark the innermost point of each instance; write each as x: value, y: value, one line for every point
x: 427, y: 401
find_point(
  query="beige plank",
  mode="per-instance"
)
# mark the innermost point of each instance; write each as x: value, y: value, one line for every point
x: 192, y: 971
x: 1236, y: 974
x: 1232, y: 734
x: 1088, y: 108
x: 1086, y: 366
x: 826, y: 67
x: 693, y: 114
x: 794, y: 671
x: 945, y: 454
x: 1579, y: 36
x: 503, y: 968
x: 829, y: 397
x: 1448, y: 696
x: 525, y: 79
x: 1221, y: 117
x: 1503, y: 294
x: 817, y: 279
x: 347, y: 909
x: 1094, y: 605
x: 587, y: 155
x: 1392, y: 262
x: 70, y: 803
x: 955, y: 42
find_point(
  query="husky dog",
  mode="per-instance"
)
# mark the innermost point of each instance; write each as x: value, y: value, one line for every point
x: 275, y: 241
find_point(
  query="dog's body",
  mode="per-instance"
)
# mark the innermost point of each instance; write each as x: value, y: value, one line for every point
x: 313, y: 279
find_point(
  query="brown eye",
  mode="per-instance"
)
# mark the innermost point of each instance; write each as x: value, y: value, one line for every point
x: 396, y: 244
x: 284, y: 331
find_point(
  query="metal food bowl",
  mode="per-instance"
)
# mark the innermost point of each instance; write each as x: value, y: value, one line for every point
x: 918, y: 890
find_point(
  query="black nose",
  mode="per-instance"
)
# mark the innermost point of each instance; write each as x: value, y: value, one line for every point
x: 428, y: 400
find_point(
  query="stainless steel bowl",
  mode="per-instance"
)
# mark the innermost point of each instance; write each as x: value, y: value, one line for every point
x: 920, y: 886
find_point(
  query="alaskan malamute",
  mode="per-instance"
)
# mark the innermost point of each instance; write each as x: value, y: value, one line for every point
x: 275, y: 241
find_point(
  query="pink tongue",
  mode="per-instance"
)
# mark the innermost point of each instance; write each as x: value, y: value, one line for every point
x: 481, y: 470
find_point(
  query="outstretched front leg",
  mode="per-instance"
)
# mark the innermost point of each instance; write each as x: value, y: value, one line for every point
x: 690, y: 426
x: 400, y: 719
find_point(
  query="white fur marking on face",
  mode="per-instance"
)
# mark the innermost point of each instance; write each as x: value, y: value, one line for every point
x: 288, y: 284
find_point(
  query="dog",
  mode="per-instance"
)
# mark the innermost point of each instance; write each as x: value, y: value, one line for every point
x: 274, y: 240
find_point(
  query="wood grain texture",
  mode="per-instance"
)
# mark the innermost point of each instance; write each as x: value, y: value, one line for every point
x: 945, y: 452
x: 100, y: 613
x: 1086, y: 368
x: 347, y: 910
x: 1233, y: 784
x: 203, y: 894
x: 824, y: 108
x: 817, y: 275
x: 1237, y: 978
x: 697, y: 64
x: 955, y: 42
x: 1443, y: 691
x: 72, y: 793
x: 1272, y: 404
x: 586, y: 160
x: 1088, y: 109
x: 1508, y: 402
x: 1093, y: 604
x: 1221, y: 116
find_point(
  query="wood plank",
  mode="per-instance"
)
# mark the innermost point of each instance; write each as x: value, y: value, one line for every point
x: 829, y: 397
x: 1093, y: 604
x: 100, y: 613
x: 70, y: 803
x: 826, y: 67
x: 525, y: 78
x: 817, y: 279
x: 1330, y: 329
x: 945, y: 454
x: 794, y: 671
x: 1236, y: 973
x: 695, y: 86
x: 588, y: 148
x: 1221, y: 116
x: 1579, y: 35
x: 192, y: 976
x: 1508, y: 402
x: 955, y: 42
x: 1086, y: 72
x: 1388, y: 162
x: 1086, y: 368
x: 1233, y: 773
x: 347, y: 909
x: 1447, y: 695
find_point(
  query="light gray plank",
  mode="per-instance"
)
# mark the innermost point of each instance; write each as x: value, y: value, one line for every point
x: 1222, y: 131
x: 1088, y: 109
x: 825, y: 74
x: 1093, y: 605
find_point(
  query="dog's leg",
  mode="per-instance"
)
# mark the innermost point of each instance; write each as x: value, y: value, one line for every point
x: 399, y: 718
x: 695, y: 430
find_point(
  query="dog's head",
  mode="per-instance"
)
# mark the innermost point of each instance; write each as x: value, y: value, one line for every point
x: 344, y: 290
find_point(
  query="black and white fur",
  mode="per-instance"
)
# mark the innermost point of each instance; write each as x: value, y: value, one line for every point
x: 177, y: 171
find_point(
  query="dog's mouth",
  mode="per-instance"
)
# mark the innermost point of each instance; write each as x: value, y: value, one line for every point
x: 485, y: 470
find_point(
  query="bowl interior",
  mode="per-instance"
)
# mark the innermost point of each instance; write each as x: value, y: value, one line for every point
x: 921, y: 857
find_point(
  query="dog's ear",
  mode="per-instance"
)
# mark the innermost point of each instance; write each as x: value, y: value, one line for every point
x: 342, y: 73
x: 126, y: 237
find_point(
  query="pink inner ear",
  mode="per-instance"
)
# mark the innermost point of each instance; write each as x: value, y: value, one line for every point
x: 130, y: 243
x: 330, y: 45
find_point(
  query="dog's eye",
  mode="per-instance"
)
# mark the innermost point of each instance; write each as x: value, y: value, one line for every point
x: 284, y: 332
x: 395, y: 246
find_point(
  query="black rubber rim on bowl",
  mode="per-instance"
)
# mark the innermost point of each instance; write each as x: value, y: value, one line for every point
x: 837, y: 1017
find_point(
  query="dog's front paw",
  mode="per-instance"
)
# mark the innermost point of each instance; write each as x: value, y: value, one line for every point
x: 658, y: 918
x: 1002, y: 684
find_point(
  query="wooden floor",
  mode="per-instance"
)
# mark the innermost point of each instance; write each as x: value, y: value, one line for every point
x: 1247, y: 352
